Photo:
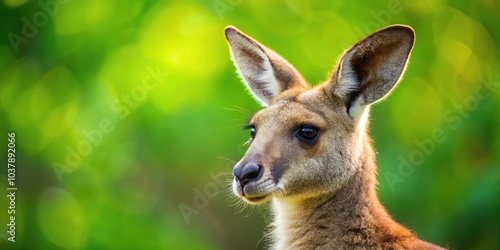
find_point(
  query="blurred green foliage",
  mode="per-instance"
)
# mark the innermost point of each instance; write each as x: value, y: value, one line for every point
x: 128, y: 114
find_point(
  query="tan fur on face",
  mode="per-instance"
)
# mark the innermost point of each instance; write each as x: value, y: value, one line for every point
x: 323, y: 190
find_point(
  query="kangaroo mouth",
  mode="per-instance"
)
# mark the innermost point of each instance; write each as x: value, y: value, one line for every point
x: 255, y: 200
x: 252, y: 193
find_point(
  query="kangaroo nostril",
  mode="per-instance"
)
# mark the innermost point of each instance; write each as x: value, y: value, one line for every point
x: 250, y: 172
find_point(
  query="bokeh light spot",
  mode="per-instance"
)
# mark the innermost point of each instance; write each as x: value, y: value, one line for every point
x: 14, y: 3
x: 410, y: 105
x: 62, y: 219
x: 181, y: 36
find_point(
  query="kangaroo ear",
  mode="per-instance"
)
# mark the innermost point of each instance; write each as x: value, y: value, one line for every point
x: 372, y: 67
x: 265, y: 73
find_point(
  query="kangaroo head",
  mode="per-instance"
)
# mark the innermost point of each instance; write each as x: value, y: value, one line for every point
x: 308, y: 141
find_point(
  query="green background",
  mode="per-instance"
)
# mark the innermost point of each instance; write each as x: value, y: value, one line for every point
x: 128, y: 118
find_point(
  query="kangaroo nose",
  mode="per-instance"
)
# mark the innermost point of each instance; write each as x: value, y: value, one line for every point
x: 250, y: 172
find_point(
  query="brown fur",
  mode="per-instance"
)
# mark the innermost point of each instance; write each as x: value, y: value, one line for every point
x: 323, y: 190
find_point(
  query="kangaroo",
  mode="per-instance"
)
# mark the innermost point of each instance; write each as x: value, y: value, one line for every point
x: 310, y: 151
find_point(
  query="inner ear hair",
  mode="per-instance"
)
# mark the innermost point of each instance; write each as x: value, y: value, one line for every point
x: 372, y: 67
x: 265, y: 73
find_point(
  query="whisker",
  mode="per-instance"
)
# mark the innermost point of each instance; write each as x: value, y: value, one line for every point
x: 224, y: 174
x: 238, y: 125
x: 235, y: 110
x: 210, y: 197
x: 239, y: 110
x: 244, y: 206
x: 227, y: 159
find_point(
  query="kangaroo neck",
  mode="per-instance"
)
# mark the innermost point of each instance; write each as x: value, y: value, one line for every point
x: 351, y: 214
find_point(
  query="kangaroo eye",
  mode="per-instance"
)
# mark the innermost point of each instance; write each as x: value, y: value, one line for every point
x: 252, y: 132
x: 308, y: 133
x: 252, y: 129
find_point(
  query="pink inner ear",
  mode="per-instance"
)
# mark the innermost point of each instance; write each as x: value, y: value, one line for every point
x: 265, y: 73
x: 374, y: 65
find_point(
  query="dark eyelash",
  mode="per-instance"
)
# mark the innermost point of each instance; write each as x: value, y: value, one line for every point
x: 249, y: 126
